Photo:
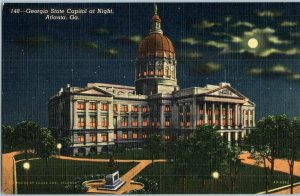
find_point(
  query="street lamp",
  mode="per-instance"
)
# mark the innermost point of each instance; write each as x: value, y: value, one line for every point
x: 58, y: 146
x: 215, y: 175
x: 26, y: 167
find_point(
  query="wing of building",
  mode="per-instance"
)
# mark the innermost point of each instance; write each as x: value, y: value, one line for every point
x: 101, y: 115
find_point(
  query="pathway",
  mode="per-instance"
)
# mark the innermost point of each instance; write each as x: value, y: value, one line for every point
x: 8, y: 172
x: 279, y: 165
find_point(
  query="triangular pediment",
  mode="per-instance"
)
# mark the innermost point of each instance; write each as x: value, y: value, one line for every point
x: 226, y: 92
x: 95, y: 91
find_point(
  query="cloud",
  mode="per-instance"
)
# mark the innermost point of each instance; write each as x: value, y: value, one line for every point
x: 88, y: 45
x: 216, y: 44
x: 255, y: 31
x: 255, y: 71
x: 227, y: 18
x: 134, y: 38
x: 205, y: 24
x: 100, y: 31
x: 243, y: 23
x: 268, y: 13
x: 276, y: 40
x: 288, y: 24
x: 190, y: 54
x: 275, y: 70
x: 110, y: 52
x: 35, y: 41
x: 271, y: 51
x: 295, y: 34
x: 295, y: 76
x: 206, y: 68
x: 234, y: 39
x: 190, y: 40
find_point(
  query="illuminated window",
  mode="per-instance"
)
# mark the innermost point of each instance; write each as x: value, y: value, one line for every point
x: 209, y: 112
x: 168, y: 122
x: 104, y: 106
x: 159, y: 72
x: 124, y: 108
x: 81, y: 121
x: 145, y: 73
x: 104, y: 122
x: 145, y: 122
x: 93, y: 106
x: 124, y: 135
x: 188, y: 123
x: 134, y: 135
x: 80, y: 106
x: 115, y: 136
x: 188, y: 112
x: 167, y: 137
x: 80, y: 138
x: 217, y: 122
x: 167, y: 108
x: 181, y: 110
x: 209, y: 121
x: 93, y: 121
x: 157, y: 124
x: 93, y: 138
x: 115, y: 107
x: 223, y: 112
x: 201, y: 111
x: 151, y: 72
x: 134, y: 121
x: 135, y: 108
x: 224, y: 122
x: 230, y: 122
x: 104, y: 137
x: 145, y: 109
x: 144, y: 135
x: 201, y: 122
x: 124, y: 122
x: 217, y: 111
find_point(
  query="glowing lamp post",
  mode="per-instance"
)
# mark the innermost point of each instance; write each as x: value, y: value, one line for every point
x: 58, y: 146
x: 215, y: 175
x: 26, y: 167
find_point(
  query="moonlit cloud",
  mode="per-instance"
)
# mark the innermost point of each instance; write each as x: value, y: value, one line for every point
x: 190, y: 40
x: 268, y: 13
x: 266, y: 30
x: 288, y: 24
x: 216, y: 44
x: 274, y: 70
x: 295, y: 34
x: 234, y: 39
x: 255, y: 71
x: 100, y: 31
x: 190, y: 54
x: 206, y: 68
x: 88, y: 45
x: 270, y: 51
x: 205, y: 24
x: 243, y: 23
x: 276, y: 40
x: 133, y: 39
x: 295, y: 77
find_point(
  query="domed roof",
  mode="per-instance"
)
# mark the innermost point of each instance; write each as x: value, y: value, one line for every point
x: 157, y: 45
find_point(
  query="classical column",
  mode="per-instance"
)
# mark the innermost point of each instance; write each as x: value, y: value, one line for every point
x: 162, y: 116
x: 236, y: 136
x: 197, y: 114
x: 241, y: 117
x: 221, y: 116
x: 253, y: 117
x: 194, y: 113
x: 98, y: 116
x: 110, y: 115
x: 228, y: 116
x: 229, y: 137
x: 129, y: 116
x: 140, y: 116
x: 213, y: 113
x: 75, y: 119
x: 87, y: 116
x: 205, y: 113
x: 235, y: 116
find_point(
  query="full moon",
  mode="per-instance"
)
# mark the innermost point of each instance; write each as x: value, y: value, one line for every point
x: 252, y: 43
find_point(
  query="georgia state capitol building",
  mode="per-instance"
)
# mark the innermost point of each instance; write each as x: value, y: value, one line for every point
x: 102, y: 115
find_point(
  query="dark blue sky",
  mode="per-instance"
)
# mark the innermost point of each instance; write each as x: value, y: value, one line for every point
x: 39, y: 56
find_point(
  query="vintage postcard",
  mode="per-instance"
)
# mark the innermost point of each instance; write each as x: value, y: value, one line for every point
x: 150, y: 98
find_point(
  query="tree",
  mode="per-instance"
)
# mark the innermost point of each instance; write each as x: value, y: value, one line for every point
x: 46, y: 144
x: 154, y: 145
x: 27, y: 136
x: 7, y: 138
x: 230, y: 167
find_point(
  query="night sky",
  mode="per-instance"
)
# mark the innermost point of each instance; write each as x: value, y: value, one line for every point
x: 211, y: 42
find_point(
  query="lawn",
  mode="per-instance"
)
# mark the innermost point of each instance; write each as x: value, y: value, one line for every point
x: 250, y: 180
x: 59, y: 173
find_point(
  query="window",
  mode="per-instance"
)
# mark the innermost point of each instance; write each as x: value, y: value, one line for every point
x: 124, y: 122
x: 188, y: 112
x: 223, y: 112
x: 159, y: 72
x: 124, y: 135
x: 166, y: 72
x: 93, y: 121
x: 217, y: 111
x: 80, y: 138
x: 167, y: 108
x: 201, y: 122
x: 188, y: 123
x: 104, y: 137
x: 251, y: 112
x: 134, y: 121
x: 251, y: 123
x: 181, y: 110
x: 201, y: 110
x: 115, y: 107
x: 144, y: 135
x: 151, y: 72
x: 104, y: 107
x: 145, y: 122
x: 135, y: 108
x: 168, y: 122
x: 134, y: 135
x: 209, y: 121
x: 115, y: 136
x: 217, y: 122
x: 93, y: 106
x: 124, y: 108
x: 81, y: 121
x: 93, y: 138
x: 104, y: 122
x: 167, y: 137
x: 145, y: 109
x: 80, y: 106
x: 145, y: 73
